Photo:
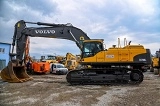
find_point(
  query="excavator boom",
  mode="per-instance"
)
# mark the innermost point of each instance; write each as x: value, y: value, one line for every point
x: 59, y: 31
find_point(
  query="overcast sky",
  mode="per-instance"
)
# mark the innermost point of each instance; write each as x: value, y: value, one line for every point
x: 136, y: 20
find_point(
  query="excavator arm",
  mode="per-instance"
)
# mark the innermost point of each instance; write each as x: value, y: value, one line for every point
x: 60, y: 31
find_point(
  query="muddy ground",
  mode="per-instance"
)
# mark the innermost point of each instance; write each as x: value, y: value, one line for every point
x: 53, y: 90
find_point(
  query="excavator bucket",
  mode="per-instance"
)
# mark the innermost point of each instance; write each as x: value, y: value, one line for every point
x: 15, y: 72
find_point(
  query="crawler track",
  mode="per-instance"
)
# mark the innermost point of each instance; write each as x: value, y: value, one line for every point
x: 104, y: 76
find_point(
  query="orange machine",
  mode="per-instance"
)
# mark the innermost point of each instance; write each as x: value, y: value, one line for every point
x: 33, y: 66
x: 40, y: 67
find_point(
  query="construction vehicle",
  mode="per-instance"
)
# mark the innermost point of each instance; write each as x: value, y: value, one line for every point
x: 60, y: 59
x: 155, y: 67
x: 42, y: 66
x: 117, y: 64
x: 49, y: 59
x: 39, y: 67
x: 71, y: 61
x: 35, y: 67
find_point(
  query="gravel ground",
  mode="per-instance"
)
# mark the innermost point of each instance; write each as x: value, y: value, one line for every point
x: 53, y: 90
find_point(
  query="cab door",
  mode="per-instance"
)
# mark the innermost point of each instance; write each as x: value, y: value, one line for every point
x: 100, y: 56
x: 124, y: 55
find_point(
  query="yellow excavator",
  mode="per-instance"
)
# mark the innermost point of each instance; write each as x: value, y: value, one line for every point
x: 49, y: 59
x: 155, y: 67
x: 71, y: 61
x: 112, y: 65
x: 60, y: 59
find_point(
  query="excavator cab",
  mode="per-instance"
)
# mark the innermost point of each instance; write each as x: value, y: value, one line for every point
x: 91, y: 47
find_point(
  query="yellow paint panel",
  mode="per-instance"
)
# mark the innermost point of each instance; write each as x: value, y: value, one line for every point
x: 90, y: 59
x: 155, y: 61
x: 100, y: 56
x: 111, y: 55
x: 125, y: 54
x: 134, y: 52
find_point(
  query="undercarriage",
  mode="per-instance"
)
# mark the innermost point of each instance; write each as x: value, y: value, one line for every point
x: 104, y: 76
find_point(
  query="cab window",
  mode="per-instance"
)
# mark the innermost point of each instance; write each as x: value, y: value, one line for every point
x: 91, y: 48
